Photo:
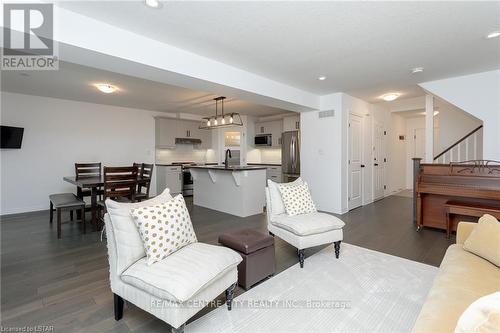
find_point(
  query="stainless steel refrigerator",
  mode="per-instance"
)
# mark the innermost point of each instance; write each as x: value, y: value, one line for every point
x: 290, y: 155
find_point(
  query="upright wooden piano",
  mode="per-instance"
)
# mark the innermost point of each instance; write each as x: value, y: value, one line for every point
x: 473, y: 183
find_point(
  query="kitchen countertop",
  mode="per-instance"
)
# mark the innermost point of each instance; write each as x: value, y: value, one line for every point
x: 269, y: 164
x: 171, y: 164
x: 231, y: 168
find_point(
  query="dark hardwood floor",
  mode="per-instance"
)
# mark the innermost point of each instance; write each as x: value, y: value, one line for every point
x: 64, y: 283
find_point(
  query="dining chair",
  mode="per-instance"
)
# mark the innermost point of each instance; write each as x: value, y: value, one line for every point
x: 145, y: 174
x: 120, y: 184
x: 85, y: 170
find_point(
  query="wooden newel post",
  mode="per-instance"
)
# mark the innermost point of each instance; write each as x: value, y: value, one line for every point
x: 416, y: 171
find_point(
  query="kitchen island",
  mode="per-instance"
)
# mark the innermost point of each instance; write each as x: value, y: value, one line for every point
x: 236, y: 190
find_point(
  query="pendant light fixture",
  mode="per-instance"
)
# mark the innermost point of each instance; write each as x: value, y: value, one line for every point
x: 222, y: 120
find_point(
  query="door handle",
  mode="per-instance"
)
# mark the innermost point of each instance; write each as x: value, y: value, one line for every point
x: 376, y: 164
x: 362, y: 165
x: 294, y: 158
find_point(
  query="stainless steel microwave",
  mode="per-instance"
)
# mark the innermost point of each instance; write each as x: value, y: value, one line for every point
x: 263, y: 140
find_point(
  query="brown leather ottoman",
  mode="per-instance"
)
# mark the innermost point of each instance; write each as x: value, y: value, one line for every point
x: 257, y: 251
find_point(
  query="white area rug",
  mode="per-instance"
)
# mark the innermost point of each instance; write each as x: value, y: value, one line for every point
x: 383, y: 293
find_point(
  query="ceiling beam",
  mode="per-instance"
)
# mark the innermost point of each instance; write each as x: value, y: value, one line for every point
x: 90, y: 42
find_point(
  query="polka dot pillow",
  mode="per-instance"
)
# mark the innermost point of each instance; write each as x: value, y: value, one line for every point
x: 164, y: 228
x: 297, y: 199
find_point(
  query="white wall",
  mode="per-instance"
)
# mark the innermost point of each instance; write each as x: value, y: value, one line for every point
x: 324, y: 151
x: 58, y: 133
x: 454, y: 124
x: 321, y: 154
x: 450, y: 125
x: 411, y: 125
x: 479, y: 95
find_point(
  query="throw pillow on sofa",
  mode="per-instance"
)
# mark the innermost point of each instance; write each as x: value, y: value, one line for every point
x: 297, y: 199
x: 164, y: 228
x: 484, y: 240
x: 482, y: 316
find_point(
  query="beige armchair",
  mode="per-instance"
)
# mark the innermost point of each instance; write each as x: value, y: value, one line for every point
x: 302, y: 231
x: 177, y: 287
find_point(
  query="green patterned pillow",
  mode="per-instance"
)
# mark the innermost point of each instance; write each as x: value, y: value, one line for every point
x: 164, y: 228
x: 297, y: 199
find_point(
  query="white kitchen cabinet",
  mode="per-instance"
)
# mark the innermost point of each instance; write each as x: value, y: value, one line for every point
x: 169, y: 177
x: 194, y: 132
x: 206, y: 138
x: 191, y: 130
x: 275, y: 128
x: 274, y: 173
x: 260, y: 128
x: 166, y: 130
x: 291, y: 123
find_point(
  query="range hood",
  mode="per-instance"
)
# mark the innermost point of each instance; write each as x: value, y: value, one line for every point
x: 187, y: 141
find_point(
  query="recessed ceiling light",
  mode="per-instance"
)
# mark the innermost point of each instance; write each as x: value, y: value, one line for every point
x: 417, y: 70
x: 493, y: 34
x: 106, y: 88
x: 153, y: 3
x: 322, y: 78
x: 390, y: 97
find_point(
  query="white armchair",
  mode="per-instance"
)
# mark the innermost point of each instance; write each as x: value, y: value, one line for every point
x: 301, y: 231
x: 173, y: 289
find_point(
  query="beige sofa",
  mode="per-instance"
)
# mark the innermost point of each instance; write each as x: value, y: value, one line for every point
x: 463, y: 278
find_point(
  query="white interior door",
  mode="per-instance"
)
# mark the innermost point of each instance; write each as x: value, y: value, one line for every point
x: 378, y: 162
x: 355, y: 161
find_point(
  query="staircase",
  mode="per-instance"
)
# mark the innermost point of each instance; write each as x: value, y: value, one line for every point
x: 468, y: 148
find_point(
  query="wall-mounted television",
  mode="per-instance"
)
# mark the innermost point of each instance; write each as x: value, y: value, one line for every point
x: 12, y: 137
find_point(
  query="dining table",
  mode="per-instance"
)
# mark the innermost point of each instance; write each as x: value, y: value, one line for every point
x: 94, y: 183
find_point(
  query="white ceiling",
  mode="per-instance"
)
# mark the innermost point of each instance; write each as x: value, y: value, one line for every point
x: 364, y: 48
x: 75, y: 82
x: 409, y: 109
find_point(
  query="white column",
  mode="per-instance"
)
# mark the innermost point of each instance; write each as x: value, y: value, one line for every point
x: 429, y: 128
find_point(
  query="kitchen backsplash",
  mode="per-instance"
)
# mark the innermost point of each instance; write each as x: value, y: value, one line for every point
x: 264, y: 155
x: 185, y: 153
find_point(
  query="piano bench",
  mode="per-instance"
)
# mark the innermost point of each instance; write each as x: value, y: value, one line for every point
x: 468, y: 209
